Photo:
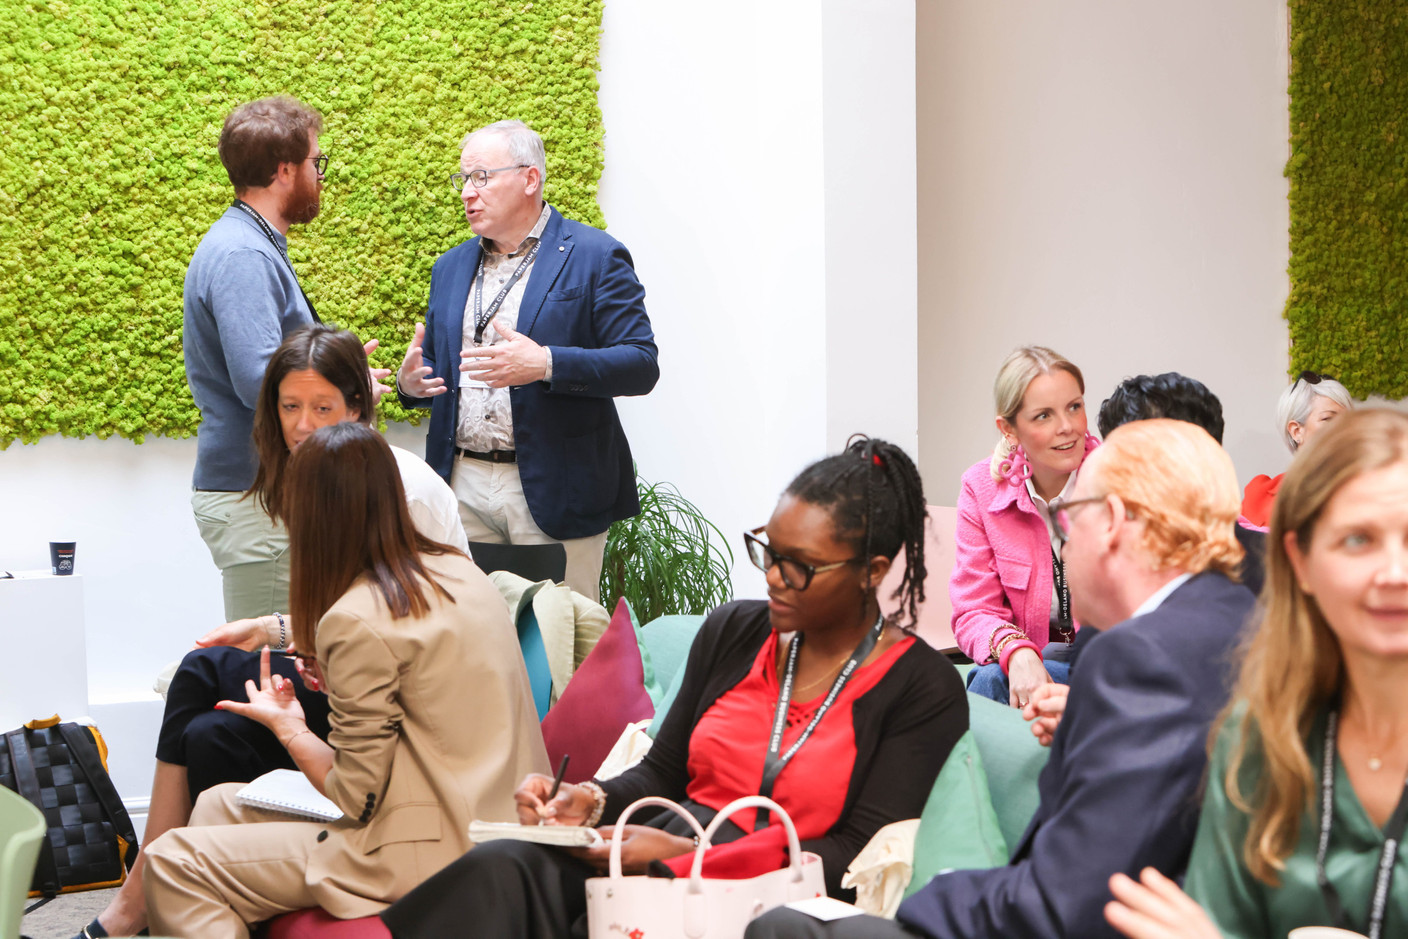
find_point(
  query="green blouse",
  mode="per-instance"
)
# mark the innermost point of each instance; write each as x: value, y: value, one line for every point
x: 1244, y: 907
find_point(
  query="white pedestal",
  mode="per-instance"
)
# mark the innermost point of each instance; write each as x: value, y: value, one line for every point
x: 46, y: 662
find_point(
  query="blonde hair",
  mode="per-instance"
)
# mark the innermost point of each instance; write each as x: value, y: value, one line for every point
x: 1018, y: 370
x: 1295, y: 404
x: 1182, y: 484
x: 1292, y: 665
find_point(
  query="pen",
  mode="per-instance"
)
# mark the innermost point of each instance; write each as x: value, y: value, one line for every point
x: 557, y: 780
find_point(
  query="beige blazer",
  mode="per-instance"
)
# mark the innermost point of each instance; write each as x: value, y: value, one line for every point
x: 434, y: 725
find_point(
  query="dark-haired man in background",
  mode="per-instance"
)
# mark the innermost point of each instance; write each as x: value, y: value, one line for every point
x: 1182, y: 398
x: 241, y: 299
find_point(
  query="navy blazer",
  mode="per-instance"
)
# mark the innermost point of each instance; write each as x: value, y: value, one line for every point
x: 584, y: 302
x: 1120, y: 791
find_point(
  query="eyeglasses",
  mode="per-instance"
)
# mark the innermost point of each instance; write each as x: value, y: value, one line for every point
x: 320, y: 162
x: 1312, y: 378
x: 478, y: 178
x: 1061, y: 514
x: 795, y: 574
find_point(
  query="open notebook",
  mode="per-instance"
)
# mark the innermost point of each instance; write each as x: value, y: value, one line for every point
x: 564, y: 836
x: 290, y: 792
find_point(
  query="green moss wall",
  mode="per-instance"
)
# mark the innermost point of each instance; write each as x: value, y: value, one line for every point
x: 1348, y: 306
x: 109, y: 115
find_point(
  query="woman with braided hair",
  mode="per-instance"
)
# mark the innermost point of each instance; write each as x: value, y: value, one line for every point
x: 876, y: 710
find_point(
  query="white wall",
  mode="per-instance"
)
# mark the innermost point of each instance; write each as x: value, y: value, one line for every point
x: 735, y: 175
x: 1104, y: 178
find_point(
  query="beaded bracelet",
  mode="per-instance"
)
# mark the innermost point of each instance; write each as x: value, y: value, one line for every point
x: 599, y: 796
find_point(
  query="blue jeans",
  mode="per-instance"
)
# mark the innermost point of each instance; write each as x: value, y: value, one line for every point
x: 989, y: 681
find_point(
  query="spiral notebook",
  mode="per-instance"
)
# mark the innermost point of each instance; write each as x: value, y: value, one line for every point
x: 290, y: 792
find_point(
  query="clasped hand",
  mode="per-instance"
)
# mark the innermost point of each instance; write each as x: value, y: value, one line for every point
x: 640, y: 844
x: 1045, y: 708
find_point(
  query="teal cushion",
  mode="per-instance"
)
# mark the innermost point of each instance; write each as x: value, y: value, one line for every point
x: 1012, y: 759
x: 663, y: 707
x: 535, y: 657
x: 959, y: 829
x: 669, y: 639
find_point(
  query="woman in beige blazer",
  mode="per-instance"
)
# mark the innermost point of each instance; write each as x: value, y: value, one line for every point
x: 431, y: 713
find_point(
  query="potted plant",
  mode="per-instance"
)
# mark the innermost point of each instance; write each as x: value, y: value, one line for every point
x: 667, y: 559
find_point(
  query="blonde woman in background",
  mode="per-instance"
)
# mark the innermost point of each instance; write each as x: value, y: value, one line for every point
x: 1307, y: 796
x: 1311, y: 402
x: 1011, y: 608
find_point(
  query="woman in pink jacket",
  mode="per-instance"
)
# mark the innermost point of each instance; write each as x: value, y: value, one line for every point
x: 1011, y: 608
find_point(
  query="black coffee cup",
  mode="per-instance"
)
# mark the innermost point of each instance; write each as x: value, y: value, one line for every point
x: 61, y: 556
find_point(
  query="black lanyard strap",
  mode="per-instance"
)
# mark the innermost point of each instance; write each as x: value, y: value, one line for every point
x: 776, y: 760
x: 483, y: 315
x: 1064, y: 629
x: 1393, y: 834
x: 269, y: 233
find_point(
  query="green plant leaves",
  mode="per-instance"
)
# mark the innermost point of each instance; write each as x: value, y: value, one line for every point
x: 1348, y: 306
x: 109, y: 115
x: 668, y: 559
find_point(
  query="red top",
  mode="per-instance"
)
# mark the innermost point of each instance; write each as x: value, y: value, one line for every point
x: 727, y: 752
x: 1258, y: 497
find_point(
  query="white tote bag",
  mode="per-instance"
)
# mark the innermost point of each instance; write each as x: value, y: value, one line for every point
x: 641, y: 907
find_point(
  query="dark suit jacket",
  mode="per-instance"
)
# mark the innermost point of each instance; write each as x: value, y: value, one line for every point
x: 1253, y: 542
x: 584, y: 302
x: 1120, y: 791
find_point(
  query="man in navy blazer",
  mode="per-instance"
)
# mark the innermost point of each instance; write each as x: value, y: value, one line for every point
x: 1148, y: 549
x: 532, y: 328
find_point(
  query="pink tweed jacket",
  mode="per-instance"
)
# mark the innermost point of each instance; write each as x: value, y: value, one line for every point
x: 1002, y: 572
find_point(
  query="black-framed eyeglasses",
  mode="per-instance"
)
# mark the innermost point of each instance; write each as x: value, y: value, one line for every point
x: 1061, y: 514
x: 795, y: 574
x: 479, y: 178
x: 320, y: 163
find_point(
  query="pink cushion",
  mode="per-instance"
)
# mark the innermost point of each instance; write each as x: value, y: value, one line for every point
x: 319, y: 924
x: 936, y: 613
x: 605, y: 694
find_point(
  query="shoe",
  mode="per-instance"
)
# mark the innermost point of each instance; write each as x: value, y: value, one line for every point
x: 93, y: 930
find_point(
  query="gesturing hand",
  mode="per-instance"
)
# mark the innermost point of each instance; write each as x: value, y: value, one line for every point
x: 1157, y: 908
x: 1045, y: 709
x: 271, y: 703
x: 414, y: 374
x: 517, y: 360
x: 377, y: 374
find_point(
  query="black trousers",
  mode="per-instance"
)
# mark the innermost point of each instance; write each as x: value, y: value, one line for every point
x: 217, y: 746
x: 789, y: 924
x: 498, y: 890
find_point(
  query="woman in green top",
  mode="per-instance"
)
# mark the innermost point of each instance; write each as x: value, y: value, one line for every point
x: 1307, y: 795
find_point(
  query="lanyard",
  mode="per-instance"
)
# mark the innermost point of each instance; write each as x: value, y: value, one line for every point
x: 1393, y: 833
x: 269, y: 233
x: 774, y: 763
x: 483, y: 316
x: 1064, y: 632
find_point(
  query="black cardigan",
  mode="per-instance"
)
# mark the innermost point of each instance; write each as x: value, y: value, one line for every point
x: 905, y: 727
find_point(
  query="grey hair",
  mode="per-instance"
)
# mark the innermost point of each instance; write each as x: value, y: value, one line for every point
x: 1296, y: 401
x: 524, y: 144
